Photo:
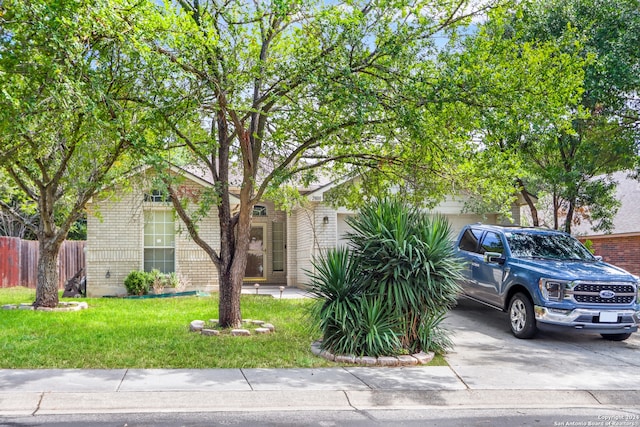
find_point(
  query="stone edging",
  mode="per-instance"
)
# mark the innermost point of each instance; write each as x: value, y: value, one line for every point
x: 421, y: 358
x: 62, y: 306
x: 200, y: 326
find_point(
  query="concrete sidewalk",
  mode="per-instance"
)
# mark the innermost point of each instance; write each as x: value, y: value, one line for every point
x: 488, y: 368
x: 55, y: 392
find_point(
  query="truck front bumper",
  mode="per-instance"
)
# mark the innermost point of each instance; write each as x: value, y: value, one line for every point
x: 608, y: 321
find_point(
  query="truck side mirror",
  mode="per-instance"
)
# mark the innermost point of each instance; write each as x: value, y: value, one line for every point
x: 493, y: 257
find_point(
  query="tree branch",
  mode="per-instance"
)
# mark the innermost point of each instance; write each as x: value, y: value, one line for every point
x: 191, y: 227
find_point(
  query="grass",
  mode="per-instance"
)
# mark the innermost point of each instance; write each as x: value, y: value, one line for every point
x: 153, y: 333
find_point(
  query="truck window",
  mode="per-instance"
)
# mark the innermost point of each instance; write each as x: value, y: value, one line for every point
x: 491, y: 243
x: 469, y: 240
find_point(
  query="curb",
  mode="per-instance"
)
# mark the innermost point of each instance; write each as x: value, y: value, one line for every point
x: 28, y: 403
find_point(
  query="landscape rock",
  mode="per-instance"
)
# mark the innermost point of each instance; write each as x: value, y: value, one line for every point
x: 263, y: 331
x: 345, y: 359
x: 316, y: 349
x: 366, y: 360
x: 269, y: 326
x: 196, y: 325
x: 240, y: 332
x: 406, y: 360
x: 327, y: 355
x: 388, y: 361
x: 210, y: 332
x: 424, y: 358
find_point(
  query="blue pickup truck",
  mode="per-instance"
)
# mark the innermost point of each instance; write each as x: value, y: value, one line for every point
x: 547, y: 279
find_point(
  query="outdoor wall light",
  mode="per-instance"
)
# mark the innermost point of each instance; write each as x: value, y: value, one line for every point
x: 108, y: 274
x: 325, y: 220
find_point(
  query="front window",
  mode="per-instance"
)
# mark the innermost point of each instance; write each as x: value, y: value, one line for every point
x: 157, y: 196
x: 491, y: 243
x: 547, y: 246
x: 259, y: 211
x: 159, y: 241
x: 278, y: 246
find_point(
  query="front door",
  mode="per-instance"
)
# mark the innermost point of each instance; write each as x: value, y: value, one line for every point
x: 256, y: 258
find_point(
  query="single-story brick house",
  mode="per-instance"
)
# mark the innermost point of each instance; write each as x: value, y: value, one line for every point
x: 132, y: 228
x: 621, y: 247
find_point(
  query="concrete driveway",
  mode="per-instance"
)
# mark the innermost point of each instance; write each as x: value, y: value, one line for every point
x: 486, y: 355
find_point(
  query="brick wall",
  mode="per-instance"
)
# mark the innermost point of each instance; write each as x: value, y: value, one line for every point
x: 621, y: 251
x: 115, y: 241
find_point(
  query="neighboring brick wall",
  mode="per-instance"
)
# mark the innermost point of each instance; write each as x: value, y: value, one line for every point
x: 621, y: 251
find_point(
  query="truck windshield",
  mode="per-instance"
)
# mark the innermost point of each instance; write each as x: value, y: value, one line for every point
x: 547, y: 246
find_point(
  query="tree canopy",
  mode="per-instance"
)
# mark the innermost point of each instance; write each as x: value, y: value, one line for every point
x: 288, y: 90
x: 63, y: 124
x: 571, y: 159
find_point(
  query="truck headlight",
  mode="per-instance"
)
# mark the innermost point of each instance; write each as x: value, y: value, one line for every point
x: 552, y: 290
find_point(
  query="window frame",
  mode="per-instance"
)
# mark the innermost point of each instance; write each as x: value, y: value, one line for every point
x: 150, y: 264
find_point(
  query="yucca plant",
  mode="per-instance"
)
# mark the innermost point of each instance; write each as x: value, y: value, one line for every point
x: 407, y: 258
x: 390, y: 290
x: 351, y: 322
x: 336, y: 285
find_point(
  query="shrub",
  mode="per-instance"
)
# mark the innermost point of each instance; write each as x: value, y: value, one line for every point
x: 159, y: 280
x: 388, y: 292
x: 138, y: 282
x: 172, y: 280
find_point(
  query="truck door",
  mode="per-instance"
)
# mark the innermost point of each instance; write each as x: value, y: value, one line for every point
x: 488, y: 275
x: 468, y: 250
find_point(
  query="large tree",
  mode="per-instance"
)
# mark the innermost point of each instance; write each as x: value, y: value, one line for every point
x: 287, y: 88
x: 63, y: 126
x: 514, y: 90
x: 573, y: 164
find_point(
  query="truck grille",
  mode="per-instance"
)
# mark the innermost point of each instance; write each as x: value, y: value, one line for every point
x: 590, y: 293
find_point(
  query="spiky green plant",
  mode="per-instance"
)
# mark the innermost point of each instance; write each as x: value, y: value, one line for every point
x: 389, y: 292
x: 351, y: 322
x: 407, y: 258
x: 336, y: 285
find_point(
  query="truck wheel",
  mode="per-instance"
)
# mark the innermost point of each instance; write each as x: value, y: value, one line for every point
x: 615, y: 337
x: 522, y: 317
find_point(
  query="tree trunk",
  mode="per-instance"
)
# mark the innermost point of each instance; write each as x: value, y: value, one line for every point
x: 532, y: 206
x: 556, y: 207
x: 47, y: 287
x: 233, y: 270
x: 569, y: 219
x: 229, y: 315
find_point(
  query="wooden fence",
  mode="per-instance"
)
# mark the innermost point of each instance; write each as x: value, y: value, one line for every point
x: 19, y: 261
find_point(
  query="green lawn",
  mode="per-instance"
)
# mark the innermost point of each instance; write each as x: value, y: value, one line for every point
x: 153, y: 333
